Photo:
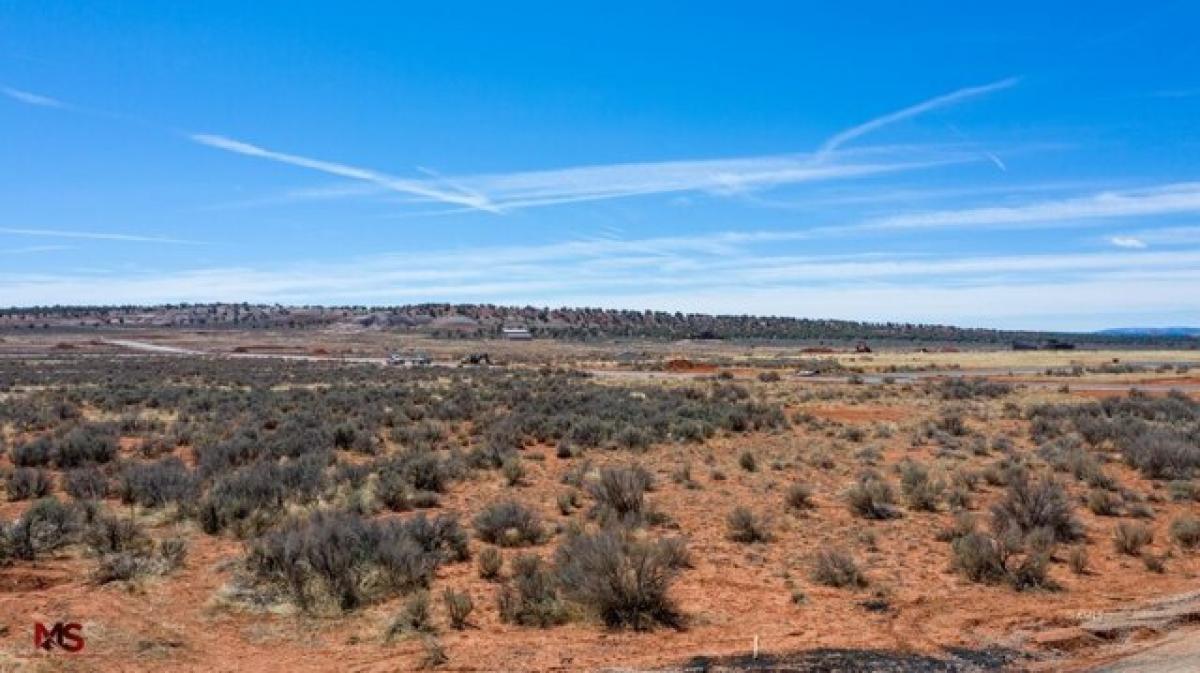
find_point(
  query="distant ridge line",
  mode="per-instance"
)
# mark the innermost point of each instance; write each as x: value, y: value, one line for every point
x: 444, y: 320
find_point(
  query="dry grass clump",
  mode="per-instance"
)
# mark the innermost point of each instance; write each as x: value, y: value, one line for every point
x: 922, y: 491
x: 344, y: 559
x: 837, y: 568
x: 509, y: 523
x: 747, y: 527
x: 459, y: 607
x: 872, y: 498
x: 1185, y: 531
x: 622, y: 578
x: 799, y: 497
x: 619, y: 494
x: 1130, y: 537
x: 491, y: 563
x: 531, y: 598
x: 1029, y: 505
x: 28, y: 483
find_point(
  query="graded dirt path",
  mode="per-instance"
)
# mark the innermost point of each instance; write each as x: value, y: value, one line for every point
x: 1162, y: 636
x: 1177, y: 653
x: 151, y: 348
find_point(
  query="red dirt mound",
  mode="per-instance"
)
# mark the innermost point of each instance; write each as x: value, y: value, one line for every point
x: 685, y: 365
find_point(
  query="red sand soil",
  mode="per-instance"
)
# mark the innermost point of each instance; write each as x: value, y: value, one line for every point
x: 859, y: 413
x: 267, y: 348
x: 1101, y: 394
x: 733, y: 593
x: 1176, y: 380
x: 685, y: 365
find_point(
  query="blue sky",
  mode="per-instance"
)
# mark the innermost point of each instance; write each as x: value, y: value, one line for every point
x: 1018, y: 165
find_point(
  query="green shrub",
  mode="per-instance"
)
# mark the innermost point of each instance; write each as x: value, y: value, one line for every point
x: 349, y: 559
x: 1185, y: 530
x: 980, y: 557
x: 173, y: 551
x: 1103, y: 503
x: 748, y: 462
x: 1031, y: 573
x: 1155, y: 564
x: 86, y: 483
x: 46, y: 526
x: 156, y: 484
x: 531, y: 598
x: 872, y: 498
x: 836, y: 568
x: 509, y: 523
x: 619, y: 494
x: 1182, y: 490
x: 922, y: 492
x: 109, y: 535
x: 747, y: 527
x: 1129, y: 538
x: 86, y: 444
x: 491, y: 563
x: 1029, y: 505
x: 799, y: 497
x: 1078, y: 560
x: 26, y: 483
x: 620, y: 577
x: 513, y: 471
x: 119, y: 567
x: 414, y: 617
x: 458, y: 607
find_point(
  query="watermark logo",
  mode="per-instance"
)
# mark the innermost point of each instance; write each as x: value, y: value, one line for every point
x: 66, y: 636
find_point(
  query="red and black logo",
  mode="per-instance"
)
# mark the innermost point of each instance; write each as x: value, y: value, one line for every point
x: 66, y: 636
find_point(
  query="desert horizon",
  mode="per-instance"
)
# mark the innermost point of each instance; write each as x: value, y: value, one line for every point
x: 616, y: 337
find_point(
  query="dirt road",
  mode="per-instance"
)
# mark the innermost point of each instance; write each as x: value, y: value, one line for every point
x: 631, y: 375
x: 1179, y: 652
x: 151, y: 348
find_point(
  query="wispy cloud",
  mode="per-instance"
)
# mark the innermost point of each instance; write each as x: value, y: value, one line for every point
x: 714, y: 176
x: 1182, y: 197
x: 94, y: 235
x: 1169, y: 236
x: 1127, y: 242
x: 839, y: 139
x: 721, y: 271
x: 529, y: 189
x: 736, y: 176
x: 992, y: 157
x: 31, y: 98
x: 344, y: 190
x: 32, y: 249
x: 420, y: 188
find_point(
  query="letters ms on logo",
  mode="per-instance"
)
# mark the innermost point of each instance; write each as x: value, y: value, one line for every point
x: 67, y: 636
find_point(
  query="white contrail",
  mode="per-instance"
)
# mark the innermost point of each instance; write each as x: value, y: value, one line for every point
x: 33, y: 248
x: 530, y: 189
x: 31, y: 98
x: 413, y: 187
x: 1181, y: 197
x: 715, y: 176
x: 849, y: 134
x: 533, y: 189
x: 92, y: 235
